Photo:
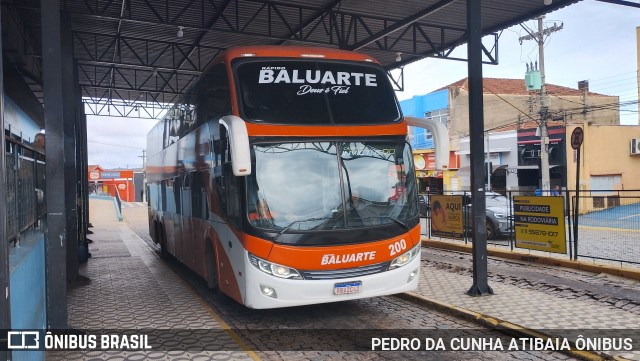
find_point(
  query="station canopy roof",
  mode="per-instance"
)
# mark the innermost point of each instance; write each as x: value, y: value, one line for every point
x: 152, y: 51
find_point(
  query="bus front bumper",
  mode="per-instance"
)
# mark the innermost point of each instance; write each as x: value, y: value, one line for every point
x: 288, y: 292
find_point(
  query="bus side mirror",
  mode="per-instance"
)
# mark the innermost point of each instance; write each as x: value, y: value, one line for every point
x: 440, y: 139
x: 239, y: 144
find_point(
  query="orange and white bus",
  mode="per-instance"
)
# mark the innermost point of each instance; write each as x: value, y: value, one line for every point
x: 284, y: 178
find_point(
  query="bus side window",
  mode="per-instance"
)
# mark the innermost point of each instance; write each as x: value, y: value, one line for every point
x: 177, y: 188
x: 197, y: 196
x: 231, y: 194
x: 186, y: 195
x: 163, y: 195
x: 224, y: 147
x: 188, y: 118
x: 214, y: 94
x: 220, y: 169
x: 227, y: 187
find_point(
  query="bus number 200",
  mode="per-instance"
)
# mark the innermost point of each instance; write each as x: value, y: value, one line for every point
x: 397, y: 247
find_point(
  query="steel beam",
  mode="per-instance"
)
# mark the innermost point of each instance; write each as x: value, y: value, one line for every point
x: 401, y: 24
x: 135, y: 51
x: 476, y: 129
x: 81, y: 169
x: 313, y: 18
x: 325, y: 25
x: 70, y: 130
x: 135, y: 79
x: 56, y: 234
x: 348, y: 23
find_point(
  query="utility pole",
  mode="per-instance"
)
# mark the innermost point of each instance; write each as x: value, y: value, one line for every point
x: 584, y: 86
x: 144, y: 176
x: 544, y: 106
x: 143, y: 157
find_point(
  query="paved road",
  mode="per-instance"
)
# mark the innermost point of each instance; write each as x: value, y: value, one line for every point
x: 622, y: 217
x: 329, y: 327
x: 607, y: 243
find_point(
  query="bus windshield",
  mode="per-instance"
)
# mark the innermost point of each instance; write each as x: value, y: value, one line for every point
x: 312, y: 91
x: 324, y: 185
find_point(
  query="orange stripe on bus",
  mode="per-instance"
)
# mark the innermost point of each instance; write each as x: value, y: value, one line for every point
x: 348, y: 256
x: 325, y: 131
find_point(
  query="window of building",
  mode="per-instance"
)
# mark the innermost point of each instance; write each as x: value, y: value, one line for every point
x: 440, y: 115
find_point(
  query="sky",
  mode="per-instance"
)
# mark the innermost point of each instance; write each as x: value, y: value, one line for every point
x: 597, y: 43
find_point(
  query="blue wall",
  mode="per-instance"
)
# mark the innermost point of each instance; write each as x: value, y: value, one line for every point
x: 417, y: 106
x: 27, y: 289
x: 27, y: 292
x: 19, y: 121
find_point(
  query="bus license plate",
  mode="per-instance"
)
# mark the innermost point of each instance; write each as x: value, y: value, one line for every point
x: 345, y: 288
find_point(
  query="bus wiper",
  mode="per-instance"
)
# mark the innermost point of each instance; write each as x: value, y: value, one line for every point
x: 298, y: 221
x: 393, y: 219
x: 399, y: 222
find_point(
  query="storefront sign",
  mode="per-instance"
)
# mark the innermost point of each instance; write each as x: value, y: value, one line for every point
x: 106, y: 175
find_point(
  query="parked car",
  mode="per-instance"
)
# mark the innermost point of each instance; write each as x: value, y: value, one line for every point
x: 424, y: 206
x: 499, y: 215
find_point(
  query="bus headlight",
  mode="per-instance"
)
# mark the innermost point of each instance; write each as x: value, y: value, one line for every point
x: 274, y: 269
x: 406, y: 257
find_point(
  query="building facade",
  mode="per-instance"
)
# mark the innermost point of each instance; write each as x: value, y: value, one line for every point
x: 609, y: 166
x: 514, y: 157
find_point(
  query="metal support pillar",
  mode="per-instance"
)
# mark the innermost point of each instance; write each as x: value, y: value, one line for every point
x: 81, y: 169
x: 70, y: 144
x: 476, y: 127
x: 5, y: 305
x: 61, y: 241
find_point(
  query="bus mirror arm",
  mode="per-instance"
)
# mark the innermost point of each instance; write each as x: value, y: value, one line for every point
x: 440, y: 139
x: 239, y: 143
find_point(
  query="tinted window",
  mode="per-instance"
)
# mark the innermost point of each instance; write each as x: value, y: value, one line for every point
x: 214, y: 95
x: 315, y: 92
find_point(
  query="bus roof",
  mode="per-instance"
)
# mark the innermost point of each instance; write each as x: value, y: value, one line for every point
x: 296, y: 52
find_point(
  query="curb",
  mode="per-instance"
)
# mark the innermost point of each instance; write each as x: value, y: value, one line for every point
x: 500, y: 325
x: 579, y: 265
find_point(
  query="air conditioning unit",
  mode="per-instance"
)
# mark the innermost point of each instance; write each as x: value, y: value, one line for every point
x: 635, y: 146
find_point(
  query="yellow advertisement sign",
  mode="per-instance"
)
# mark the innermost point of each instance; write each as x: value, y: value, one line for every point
x: 446, y: 216
x: 539, y: 223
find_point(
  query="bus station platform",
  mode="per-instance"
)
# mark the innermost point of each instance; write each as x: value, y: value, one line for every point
x: 130, y: 287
